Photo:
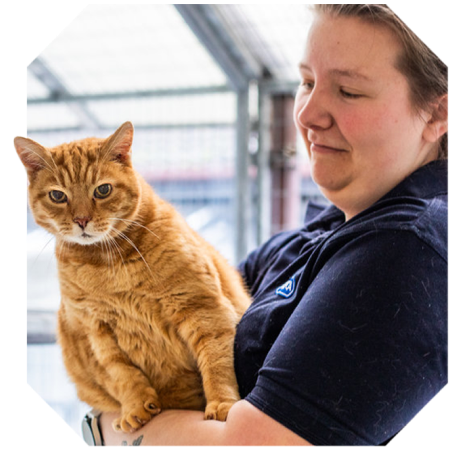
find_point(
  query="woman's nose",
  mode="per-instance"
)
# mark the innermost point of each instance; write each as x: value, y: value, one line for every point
x: 313, y: 111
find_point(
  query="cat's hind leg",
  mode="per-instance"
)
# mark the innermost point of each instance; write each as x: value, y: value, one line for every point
x: 124, y: 381
x: 84, y: 371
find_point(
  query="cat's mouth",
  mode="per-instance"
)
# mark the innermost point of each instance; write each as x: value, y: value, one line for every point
x: 90, y: 235
x: 88, y: 239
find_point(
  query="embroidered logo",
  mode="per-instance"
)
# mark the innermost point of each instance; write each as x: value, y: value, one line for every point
x: 287, y: 288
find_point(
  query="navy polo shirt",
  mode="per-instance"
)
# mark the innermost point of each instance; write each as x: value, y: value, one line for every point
x: 346, y: 338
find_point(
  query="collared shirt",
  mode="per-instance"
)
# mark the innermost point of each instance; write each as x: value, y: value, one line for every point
x: 346, y: 338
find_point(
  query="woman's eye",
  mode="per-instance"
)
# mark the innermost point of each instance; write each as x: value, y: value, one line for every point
x: 57, y: 196
x: 102, y: 191
x: 308, y: 85
x: 347, y: 94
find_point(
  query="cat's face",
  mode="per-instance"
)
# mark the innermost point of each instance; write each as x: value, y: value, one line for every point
x: 83, y: 192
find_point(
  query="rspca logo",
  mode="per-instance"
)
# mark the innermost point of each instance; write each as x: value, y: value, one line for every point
x: 286, y: 289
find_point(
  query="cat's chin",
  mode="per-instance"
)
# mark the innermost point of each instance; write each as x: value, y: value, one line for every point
x: 84, y: 239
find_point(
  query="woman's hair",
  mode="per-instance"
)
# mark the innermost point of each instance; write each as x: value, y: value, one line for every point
x: 425, y: 72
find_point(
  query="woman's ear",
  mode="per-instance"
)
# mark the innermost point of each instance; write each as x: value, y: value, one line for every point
x: 436, y: 127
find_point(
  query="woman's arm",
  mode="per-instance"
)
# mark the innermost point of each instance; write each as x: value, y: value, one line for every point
x: 246, y: 425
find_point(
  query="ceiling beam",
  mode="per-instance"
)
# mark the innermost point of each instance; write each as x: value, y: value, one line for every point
x: 58, y: 90
x: 211, y: 29
x: 132, y: 95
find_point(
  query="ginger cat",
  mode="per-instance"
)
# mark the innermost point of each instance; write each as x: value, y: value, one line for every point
x: 148, y: 309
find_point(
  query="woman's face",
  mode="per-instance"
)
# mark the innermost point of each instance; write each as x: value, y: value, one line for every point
x: 354, y: 112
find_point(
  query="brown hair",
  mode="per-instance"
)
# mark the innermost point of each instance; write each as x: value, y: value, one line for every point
x: 425, y: 72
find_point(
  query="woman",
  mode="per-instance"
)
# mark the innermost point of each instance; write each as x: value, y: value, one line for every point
x: 346, y: 338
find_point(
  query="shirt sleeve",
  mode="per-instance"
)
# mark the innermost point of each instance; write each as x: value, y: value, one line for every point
x: 366, y: 347
x: 254, y: 267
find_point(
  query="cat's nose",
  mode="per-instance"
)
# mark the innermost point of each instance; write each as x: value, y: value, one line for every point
x: 82, y: 221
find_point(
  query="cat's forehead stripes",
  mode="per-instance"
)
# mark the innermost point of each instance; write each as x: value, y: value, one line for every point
x: 77, y: 162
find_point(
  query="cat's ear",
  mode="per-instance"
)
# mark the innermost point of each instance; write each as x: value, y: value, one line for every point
x: 32, y: 155
x: 118, y: 146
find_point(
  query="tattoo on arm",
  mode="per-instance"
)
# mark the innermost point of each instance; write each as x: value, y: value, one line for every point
x: 136, y: 442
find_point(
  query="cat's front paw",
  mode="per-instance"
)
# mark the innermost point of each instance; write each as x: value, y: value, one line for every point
x: 218, y: 410
x: 135, y: 414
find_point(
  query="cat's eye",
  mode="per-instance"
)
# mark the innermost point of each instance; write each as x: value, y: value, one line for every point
x: 57, y: 196
x: 102, y: 191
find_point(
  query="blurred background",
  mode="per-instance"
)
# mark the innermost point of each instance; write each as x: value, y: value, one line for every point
x: 210, y: 91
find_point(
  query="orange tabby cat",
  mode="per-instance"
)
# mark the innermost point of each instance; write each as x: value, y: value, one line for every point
x: 148, y: 309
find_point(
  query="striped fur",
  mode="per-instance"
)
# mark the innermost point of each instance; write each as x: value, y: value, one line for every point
x: 148, y: 309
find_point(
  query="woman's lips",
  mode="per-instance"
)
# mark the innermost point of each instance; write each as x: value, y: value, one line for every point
x: 315, y: 147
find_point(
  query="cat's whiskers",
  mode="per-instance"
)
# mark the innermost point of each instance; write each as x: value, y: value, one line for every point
x: 127, y: 239
x: 109, y: 255
x: 137, y: 224
x: 40, y: 252
x: 116, y: 246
